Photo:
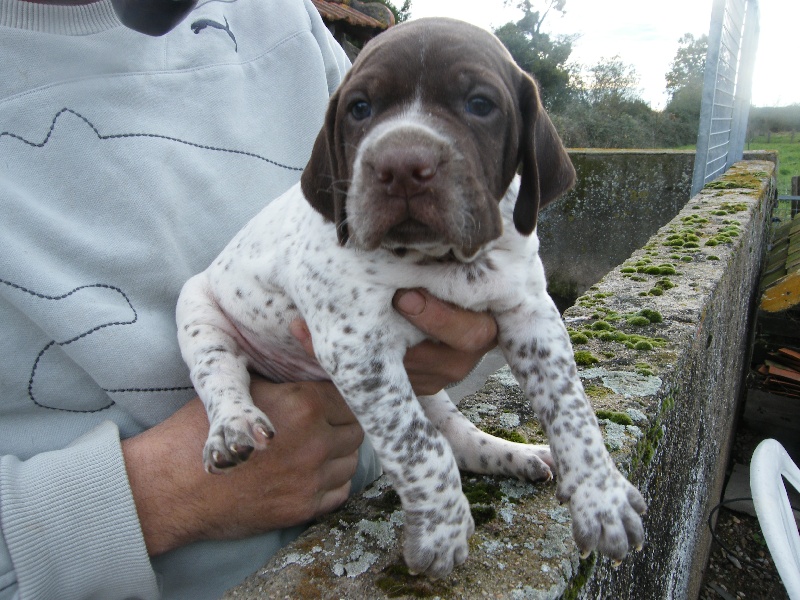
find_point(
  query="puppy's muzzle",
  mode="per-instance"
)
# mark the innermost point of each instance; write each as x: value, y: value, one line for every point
x: 407, y: 188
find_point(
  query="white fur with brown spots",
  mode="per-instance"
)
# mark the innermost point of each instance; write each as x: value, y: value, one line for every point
x: 412, y: 183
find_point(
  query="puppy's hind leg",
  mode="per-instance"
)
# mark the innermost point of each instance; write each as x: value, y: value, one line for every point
x: 478, y: 452
x: 218, y: 369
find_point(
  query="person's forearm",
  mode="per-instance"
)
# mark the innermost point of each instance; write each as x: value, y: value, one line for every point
x: 163, y: 465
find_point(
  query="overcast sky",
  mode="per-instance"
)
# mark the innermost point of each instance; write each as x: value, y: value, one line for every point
x: 645, y: 34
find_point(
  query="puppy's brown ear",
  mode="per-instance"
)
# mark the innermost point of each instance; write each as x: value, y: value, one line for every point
x: 547, y: 171
x: 321, y: 182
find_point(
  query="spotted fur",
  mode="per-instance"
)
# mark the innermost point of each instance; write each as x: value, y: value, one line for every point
x: 412, y: 184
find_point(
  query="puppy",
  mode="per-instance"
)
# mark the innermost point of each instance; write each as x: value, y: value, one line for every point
x: 412, y: 183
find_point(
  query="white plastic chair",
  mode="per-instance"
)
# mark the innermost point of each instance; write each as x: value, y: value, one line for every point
x: 770, y: 462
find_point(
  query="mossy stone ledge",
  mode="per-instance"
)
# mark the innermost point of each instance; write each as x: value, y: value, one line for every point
x: 664, y: 378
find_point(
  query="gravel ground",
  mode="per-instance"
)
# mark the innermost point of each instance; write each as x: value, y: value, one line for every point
x: 747, y: 571
x: 742, y: 568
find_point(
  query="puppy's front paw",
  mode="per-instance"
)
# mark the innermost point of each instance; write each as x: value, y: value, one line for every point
x: 606, y: 511
x: 232, y: 439
x: 436, y: 539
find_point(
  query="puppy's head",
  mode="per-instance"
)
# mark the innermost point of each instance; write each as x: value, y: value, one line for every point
x: 423, y: 138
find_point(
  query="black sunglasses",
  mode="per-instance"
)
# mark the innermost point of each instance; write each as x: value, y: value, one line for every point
x: 153, y: 17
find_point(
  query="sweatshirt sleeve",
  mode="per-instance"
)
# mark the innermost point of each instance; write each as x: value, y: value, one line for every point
x: 69, y: 525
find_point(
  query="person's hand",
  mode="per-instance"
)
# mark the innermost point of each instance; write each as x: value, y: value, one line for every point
x: 459, y: 339
x: 304, y: 472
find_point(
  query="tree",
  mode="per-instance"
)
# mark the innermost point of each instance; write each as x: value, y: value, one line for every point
x: 538, y: 54
x: 613, y: 82
x: 400, y: 14
x: 685, y: 86
x: 606, y: 111
x: 688, y: 66
x: 600, y: 106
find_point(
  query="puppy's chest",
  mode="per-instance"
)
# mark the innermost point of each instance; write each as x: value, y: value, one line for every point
x: 287, y: 264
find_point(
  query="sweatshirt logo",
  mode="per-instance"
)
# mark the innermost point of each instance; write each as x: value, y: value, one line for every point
x: 201, y: 24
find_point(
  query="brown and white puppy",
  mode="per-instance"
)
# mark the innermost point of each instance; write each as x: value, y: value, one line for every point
x: 412, y: 183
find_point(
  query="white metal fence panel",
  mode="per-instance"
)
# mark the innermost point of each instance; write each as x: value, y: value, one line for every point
x: 732, y: 43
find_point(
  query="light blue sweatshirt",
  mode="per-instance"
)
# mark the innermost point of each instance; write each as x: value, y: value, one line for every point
x: 126, y: 164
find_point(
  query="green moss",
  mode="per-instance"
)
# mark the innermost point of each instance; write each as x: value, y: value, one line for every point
x: 647, y: 445
x: 642, y: 318
x: 639, y: 321
x: 656, y: 291
x: 601, y: 325
x: 643, y: 368
x: 596, y: 391
x: 734, y: 208
x: 652, y: 441
x: 663, y: 269
x: 482, y: 513
x: 619, y: 418
x: 578, y: 338
x: 576, y: 584
x: 482, y: 492
x: 718, y: 239
x: 712, y: 257
x: 634, y: 340
x: 584, y: 358
x: 668, y: 269
x: 506, y: 434
x: 665, y: 284
x: 609, y: 315
x: 653, y: 316
x: 694, y: 220
x: 734, y: 182
x: 396, y: 582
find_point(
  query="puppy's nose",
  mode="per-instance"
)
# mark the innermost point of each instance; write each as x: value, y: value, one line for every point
x: 406, y: 171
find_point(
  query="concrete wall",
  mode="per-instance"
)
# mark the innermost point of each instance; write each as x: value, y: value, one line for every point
x: 665, y: 393
x: 622, y: 197
x: 681, y: 459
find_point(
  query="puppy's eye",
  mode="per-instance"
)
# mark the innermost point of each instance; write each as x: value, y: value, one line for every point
x: 360, y: 110
x: 479, y: 106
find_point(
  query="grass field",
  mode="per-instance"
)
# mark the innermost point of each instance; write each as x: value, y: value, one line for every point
x: 788, y: 157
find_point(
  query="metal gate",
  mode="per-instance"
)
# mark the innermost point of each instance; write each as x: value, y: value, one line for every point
x: 732, y: 43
